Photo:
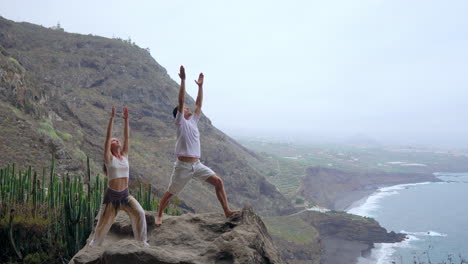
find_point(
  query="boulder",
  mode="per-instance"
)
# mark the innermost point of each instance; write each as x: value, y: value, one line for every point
x: 189, y: 238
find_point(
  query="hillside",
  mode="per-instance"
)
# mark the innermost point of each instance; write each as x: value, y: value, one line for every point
x: 287, y: 165
x: 56, y: 90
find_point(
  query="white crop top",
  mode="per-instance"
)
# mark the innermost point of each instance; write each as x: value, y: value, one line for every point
x: 117, y: 168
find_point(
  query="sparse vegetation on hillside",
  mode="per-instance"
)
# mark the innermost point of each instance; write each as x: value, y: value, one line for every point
x: 292, y: 229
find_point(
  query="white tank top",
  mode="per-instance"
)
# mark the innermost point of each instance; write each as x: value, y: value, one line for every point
x: 117, y: 168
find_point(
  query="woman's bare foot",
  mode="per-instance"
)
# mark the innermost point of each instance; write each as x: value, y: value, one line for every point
x: 158, y: 221
x: 229, y: 213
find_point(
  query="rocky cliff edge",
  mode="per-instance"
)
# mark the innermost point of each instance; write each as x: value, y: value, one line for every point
x: 190, y: 238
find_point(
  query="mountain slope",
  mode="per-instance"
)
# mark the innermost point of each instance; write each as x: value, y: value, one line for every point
x: 56, y: 90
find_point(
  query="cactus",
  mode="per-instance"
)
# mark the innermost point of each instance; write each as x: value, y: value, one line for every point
x: 34, y: 193
x: 43, y: 185
x: 89, y: 214
x: 68, y: 205
x: 2, y: 185
x: 51, y: 184
x: 73, y: 214
x: 12, y: 184
x: 147, y: 199
x: 139, y: 192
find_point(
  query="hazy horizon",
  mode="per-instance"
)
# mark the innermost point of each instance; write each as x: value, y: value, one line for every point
x: 393, y: 71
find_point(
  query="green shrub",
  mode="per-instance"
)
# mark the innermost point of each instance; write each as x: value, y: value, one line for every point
x: 36, y: 258
x: 14, y: 61
x: 47, y: 128
x: 65, y: 136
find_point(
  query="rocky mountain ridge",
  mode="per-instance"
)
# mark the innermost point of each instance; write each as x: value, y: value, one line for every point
x: 56, y: 89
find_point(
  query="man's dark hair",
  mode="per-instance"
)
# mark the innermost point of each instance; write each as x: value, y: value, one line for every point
x: 174, y: 112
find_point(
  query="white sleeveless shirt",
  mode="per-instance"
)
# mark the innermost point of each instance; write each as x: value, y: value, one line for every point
x: 118, y: 168
x: 188, y: 137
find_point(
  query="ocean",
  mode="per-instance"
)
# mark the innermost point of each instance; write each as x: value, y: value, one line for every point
x: 434, y: 215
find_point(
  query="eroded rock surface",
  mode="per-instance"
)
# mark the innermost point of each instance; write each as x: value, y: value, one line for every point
x: 190, y: 238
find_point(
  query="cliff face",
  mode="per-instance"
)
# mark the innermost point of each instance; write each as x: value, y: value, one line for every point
x: 56, y: 90
x: 346, y: 237
x: 335, y: 188
x: 189, y: 239
x: 332, y: 237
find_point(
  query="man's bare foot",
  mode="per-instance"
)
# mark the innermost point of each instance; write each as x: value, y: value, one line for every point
x: 158, y: 221
x: 230, y: 213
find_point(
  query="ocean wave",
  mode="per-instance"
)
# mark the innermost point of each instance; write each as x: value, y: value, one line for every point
x: 371, y: 203
x: 383, y: 252
x: 403, y: 186
x: 427, y: 233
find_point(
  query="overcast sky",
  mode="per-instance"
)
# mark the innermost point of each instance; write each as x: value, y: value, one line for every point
x: 394, y: 70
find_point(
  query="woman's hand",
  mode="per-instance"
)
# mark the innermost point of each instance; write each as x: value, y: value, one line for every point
x: 113, y: 112
x: 125, y: 113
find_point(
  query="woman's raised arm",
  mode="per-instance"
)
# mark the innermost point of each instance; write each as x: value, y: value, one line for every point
x: 107, y: 143
x: 126, y: 131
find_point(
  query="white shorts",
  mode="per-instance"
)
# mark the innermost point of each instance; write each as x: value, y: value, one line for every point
x: 184, y: 171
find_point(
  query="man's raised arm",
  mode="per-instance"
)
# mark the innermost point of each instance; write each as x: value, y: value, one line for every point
x: 198, y: 103
x: 181, y: 90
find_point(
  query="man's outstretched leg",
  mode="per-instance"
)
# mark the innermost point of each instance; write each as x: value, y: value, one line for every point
x: 162, y: 205
x: 221, y: 194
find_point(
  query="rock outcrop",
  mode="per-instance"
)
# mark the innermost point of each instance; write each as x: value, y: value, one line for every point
x: 332, y: 237
x: 190, y: 239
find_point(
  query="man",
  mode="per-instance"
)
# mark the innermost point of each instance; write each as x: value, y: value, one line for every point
x: 187, y: 149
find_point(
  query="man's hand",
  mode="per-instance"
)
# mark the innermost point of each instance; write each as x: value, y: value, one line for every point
x: 113, y: 112
x: 200, y: 80
x: 182, y: 73
x: 125, y: 113
x: 198, y: 102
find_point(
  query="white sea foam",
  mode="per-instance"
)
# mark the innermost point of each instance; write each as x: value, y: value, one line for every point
x: 403, y: 186
x: 427, y: 233
x: 371, y: 204
x: 383, y: 252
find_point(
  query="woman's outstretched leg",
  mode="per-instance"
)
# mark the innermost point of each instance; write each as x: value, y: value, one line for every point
x: 137, y: 218
x: 106, y: 219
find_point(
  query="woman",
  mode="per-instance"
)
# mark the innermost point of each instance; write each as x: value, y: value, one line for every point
x: 116, y: 196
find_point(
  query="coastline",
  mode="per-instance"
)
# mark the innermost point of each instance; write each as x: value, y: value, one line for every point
x: 383, y: 252
x: 335, y: 249
x: 355, y: 198
x: 378, y: 251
